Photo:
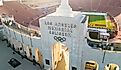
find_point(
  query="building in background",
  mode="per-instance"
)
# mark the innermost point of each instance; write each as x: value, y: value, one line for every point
x: 64, y: 39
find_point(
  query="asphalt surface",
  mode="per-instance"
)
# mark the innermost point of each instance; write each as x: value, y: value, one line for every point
x: 6, y: 54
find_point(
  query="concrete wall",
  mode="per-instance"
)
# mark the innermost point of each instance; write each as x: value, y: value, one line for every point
x: 19, y: 39
x: 97, y: 55
x: 73, y: 42
x: 79, y: 51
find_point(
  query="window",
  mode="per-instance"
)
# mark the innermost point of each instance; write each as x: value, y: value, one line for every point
x: 74, y: 68
x: 94, y: 35
x: 21, y: 48
x: 91, y: 65
x: 111, y: 66
x: 47, y: 61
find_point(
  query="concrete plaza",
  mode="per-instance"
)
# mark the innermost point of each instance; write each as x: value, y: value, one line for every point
x: 6, y: 54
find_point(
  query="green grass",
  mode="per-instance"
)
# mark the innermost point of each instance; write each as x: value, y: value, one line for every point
x: 93, y: 18
x: 97, y: 21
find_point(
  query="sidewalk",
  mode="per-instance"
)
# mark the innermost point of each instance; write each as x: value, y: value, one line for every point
x: 7, y: 53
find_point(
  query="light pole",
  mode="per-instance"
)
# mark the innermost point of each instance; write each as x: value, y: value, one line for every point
x: 105, y: 48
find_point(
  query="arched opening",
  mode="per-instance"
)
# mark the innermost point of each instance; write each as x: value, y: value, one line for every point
x: 91, y: 65
x: 60, y: 57
x: 38, y: 56
x: 111, y: 66
x: 28, y: 51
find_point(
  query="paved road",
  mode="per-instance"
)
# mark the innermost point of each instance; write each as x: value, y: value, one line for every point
x: 6, y: 55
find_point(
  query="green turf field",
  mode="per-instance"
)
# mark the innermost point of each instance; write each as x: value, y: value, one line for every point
x: 96, y: 18
x: 97, y: 21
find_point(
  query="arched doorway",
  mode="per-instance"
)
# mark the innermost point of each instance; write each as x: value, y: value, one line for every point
x: 111, y: 66
x: 91, y: 65
x: 60, y: 57
x: 28, y: 51
x: 38, y: 56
